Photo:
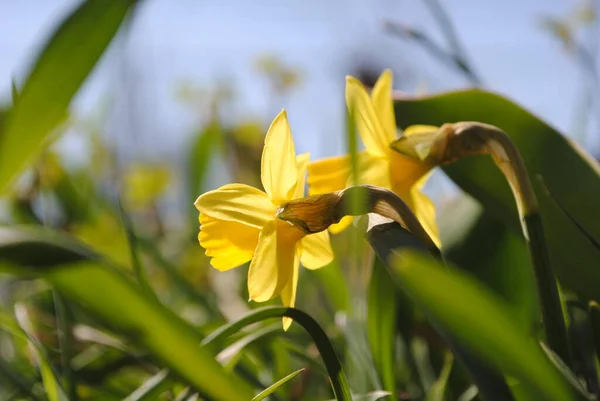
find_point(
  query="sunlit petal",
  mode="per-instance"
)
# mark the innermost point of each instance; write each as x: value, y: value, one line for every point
x: 424, y: 209
x: 344, y: 223
x: 405, y: 173
x: 367, y: 122
x: 374, y: 171
x: 288, y: 294
x: 271, y: 267
x: 301, y: 164
x: 237, y: 202
x: 316, y: 250
x: 279, y: 171
x: 328, y: 175
x: 419, y: 129
x: 383, y: 104
x: 226, y: 250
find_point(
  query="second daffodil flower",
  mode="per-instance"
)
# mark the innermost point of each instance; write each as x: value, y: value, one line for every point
x: 238, y: 223
x: 378, y: 165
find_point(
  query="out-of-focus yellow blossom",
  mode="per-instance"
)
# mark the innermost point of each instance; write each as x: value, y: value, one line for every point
x: 144, y: 183
x: 378, y: 165
x: 238, y: 223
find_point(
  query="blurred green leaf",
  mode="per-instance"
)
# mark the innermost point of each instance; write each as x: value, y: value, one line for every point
x: 481, y: 321
x: 382, y: 311
x: 54, y: 390
x: 114, y: 298
x: 59, y: 70
x: 564, y: 167
x: 478, y: 242
x: 437, y: 392
x: 203, y: 149
x: 152, y: 388
x: 271, y: 389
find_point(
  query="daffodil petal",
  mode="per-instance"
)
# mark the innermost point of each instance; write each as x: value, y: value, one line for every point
x: 374, y: 171
x: 383, y: 104
x: 288, y: 294
x: 301, y: 164
x: 271, y: 267
x: 344, y: 223
x: 316, y: 250
x: 237, y: 202
x: 226, y: 250
x: 419, y: 129
x: 279, y: 171
x: 406, y: 173
x: 367, y: 122
x: 424, y: 209
x: 330, y: 175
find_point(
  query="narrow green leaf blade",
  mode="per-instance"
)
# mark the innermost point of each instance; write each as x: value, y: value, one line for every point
x: 332, y: 363
x: 481, y: 321
x: 273, y: 387
x: 114, y: 298
x: 60, y: 69
x: 52, y: 386
x: 382, y: 310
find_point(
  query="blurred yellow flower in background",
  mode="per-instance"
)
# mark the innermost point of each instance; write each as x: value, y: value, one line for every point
x: 238, y: 223
x: 378, y: 164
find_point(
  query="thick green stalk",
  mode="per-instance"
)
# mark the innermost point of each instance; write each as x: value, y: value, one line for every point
x: 551, y: 307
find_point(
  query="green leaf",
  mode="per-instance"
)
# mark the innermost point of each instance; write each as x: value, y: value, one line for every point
x: 272, y: 388
x: 382, y: 310
x: 437, y: 392
x: 546, y: 153
x: 115, y: 299
x: 201, y: 154
x: 478, y: 242
x: 152, y: 388
x: 59, y: 70
x: 334, y: 368
x: 481, y: 321
x: 54, y: 390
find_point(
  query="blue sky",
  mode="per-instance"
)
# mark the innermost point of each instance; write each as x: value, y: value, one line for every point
x: 172, y: 41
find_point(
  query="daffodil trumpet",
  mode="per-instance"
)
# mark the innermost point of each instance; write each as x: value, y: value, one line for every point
x: 316, y: 213
x: 454, y: 141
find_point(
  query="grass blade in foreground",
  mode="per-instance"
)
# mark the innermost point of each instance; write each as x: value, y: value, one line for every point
x: 334, y: 368
x: 480, y: 321
x: 272, y: 388
x: 60, y: 69
x: 382, y: 311
x: 52, y: 387
x: 102, y: 290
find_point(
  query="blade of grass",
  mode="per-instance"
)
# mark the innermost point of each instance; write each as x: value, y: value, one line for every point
x: 102, y: 289
x: 438, y: 390
x: 382, y: 312
x: 60, y: 69
x: 271, y: 389
x: 486, y: 326
x: 389, y: 239
x: 54, y: 390
x: 65, y: 341
x: 334, y: 368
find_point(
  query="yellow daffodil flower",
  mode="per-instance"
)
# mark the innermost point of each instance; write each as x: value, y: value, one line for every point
x: 238, y: 223
x: 378, y: 165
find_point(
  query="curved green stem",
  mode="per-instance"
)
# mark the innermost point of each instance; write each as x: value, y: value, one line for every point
x: 339, y: 383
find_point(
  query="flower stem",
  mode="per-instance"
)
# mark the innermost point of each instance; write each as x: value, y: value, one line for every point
x: 551, y: 308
